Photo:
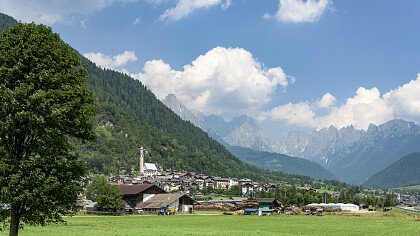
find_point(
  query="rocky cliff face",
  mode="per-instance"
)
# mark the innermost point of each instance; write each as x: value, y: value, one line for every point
x: 243, y: 131
x: 182, y: 111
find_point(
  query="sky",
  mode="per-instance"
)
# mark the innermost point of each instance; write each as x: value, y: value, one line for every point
x: 291, y: 64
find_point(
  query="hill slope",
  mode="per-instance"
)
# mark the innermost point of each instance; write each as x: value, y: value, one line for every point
x: 6, y: 22
x: 403, y: 172
x: 128, y: 116
x: 280, y: 162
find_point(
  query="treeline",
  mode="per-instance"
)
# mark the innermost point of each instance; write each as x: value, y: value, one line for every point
x: 292, y: 195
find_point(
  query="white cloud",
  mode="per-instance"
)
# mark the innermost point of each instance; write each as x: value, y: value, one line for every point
x: 52, y: 11
x: 297, y: 114
x: 366, y: 107
x: 116, y: 62
x: 185, y: 7
x: 326, y: 101
x: 222, y: 80
x: 300, y: 10
x: 405, y: 100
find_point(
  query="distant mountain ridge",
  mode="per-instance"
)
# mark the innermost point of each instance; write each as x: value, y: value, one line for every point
x: 343, y: 152
x: 404, y: 172
x: 281, y: 162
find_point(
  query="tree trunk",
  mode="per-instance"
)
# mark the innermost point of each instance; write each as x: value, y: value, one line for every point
x: 14, y: 221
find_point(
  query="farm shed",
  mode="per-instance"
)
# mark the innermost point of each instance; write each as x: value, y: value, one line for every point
x: 268, y: 203
x: 180, y: 202
x: 133, y: 195
x: 342, y: 206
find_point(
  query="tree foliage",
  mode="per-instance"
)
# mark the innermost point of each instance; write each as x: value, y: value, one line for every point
x: 107, y: 196
x: 43, y: 103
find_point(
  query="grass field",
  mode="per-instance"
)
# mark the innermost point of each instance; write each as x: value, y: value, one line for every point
x: 393, y: 223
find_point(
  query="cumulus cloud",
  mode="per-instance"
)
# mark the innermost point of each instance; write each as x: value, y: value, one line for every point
x: 222, y: 80
x: 368, y: 106
x: 116, y: 62
x: 405, y: 100
x: 52, y: 11
x: 299, y: 114
x: 184, y: 8
x: 326, y: 101
x: 300, y: 10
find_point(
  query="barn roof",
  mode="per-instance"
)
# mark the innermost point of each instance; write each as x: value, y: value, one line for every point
x: 138, y: 188
x: 162, y: 200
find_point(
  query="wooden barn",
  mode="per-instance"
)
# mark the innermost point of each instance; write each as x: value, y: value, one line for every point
x: 133, y: 195
x: 178, y: 202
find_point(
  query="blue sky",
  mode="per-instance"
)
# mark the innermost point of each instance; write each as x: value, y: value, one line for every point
x: 363, y: 54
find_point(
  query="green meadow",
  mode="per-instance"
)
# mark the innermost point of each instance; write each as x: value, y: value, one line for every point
x: 393, y: 223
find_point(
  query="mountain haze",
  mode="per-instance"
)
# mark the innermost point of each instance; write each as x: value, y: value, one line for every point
x: 281, y: 162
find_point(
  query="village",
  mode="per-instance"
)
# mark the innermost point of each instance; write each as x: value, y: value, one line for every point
x: 155, y: 190
x: 158, y: 191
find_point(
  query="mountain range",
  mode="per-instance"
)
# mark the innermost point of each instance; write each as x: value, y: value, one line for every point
x: 343, y: 152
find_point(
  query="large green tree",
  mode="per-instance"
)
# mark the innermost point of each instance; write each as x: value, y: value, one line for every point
x: 44, y: 105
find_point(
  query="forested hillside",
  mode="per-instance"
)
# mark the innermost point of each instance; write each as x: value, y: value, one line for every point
x: 403, y: 172
x: 128, y: 116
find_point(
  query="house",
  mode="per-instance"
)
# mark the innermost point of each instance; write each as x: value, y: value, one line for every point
x: 200, y: 182
x: 244, y: 181
x: 247, y: 189
x: 209, y: 183
x: 268, y: 204
x: 132, y: 195
x: 179, y: 202
x: 233, y: 182
x: 221, y: 183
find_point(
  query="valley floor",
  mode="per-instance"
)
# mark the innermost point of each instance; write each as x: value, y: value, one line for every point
x: 391, y: 223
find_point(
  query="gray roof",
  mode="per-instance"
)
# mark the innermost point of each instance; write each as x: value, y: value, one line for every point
x: 161, y: 200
